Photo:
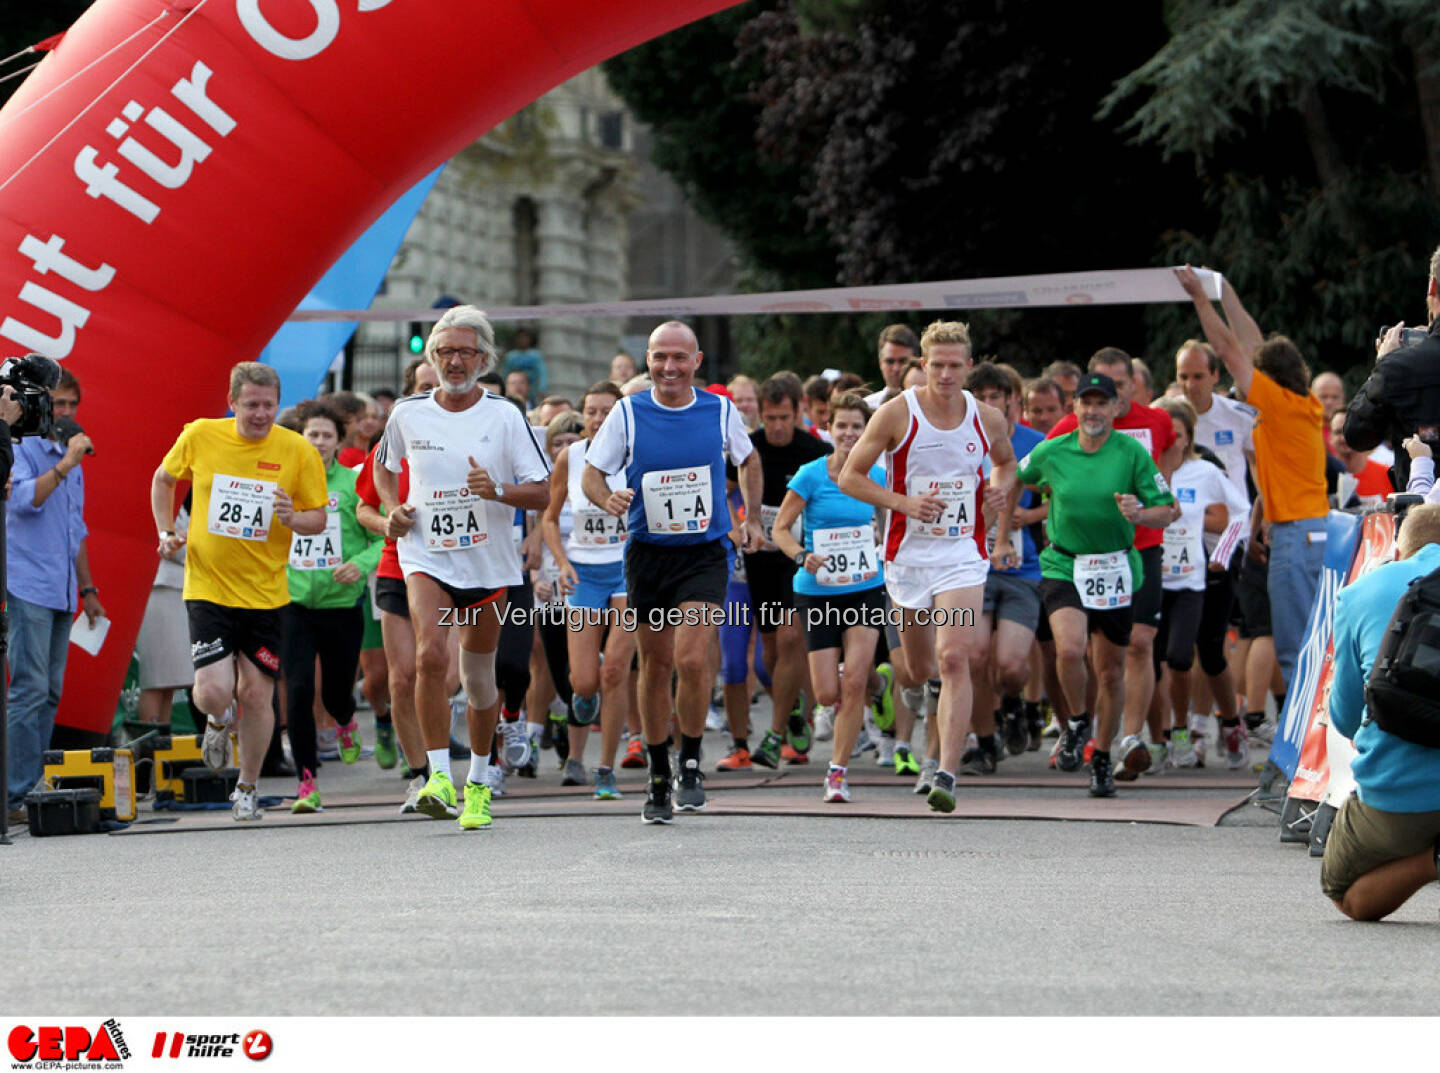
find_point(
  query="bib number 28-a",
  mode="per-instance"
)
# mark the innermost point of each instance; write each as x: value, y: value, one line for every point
x: 241, y: 508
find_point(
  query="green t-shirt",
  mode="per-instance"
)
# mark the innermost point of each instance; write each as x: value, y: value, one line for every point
x: 1084, y: 517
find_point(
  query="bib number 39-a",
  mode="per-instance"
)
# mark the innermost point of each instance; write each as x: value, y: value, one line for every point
x: 677, y: 500
x: 850, y: 555
x: 241, y: 508
x: 1103, y: 580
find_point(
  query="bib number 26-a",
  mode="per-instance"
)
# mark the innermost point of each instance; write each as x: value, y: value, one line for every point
x: 1103, y: 580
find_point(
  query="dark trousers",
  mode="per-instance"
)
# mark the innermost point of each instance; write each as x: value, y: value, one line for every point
x: 334, y: 635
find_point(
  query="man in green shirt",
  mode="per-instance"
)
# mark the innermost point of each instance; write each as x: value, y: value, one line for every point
x: 1100, y: 485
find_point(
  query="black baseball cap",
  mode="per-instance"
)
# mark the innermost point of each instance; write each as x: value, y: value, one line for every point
x: 1096, y: 382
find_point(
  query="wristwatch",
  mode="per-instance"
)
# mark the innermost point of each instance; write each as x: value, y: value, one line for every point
x: 800, y: 558
x: 499, y: 489
x: 87, y: 590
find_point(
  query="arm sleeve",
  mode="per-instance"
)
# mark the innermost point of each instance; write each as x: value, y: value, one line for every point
x: 802, y: 484
x: 368, y: 557
x: 1238, y: 526
x: 737, y: 441
x: 25, y: 472
x: 609, y: 447
x: 78, y: 529
x: 390, y: 451
x: 1347, y: 687
x: 365, y: 482
x: 310, y: 491
x: 181, y: 455
x: 1368, y: 416
x: 1422, y: 476
x: 1030, y: 470
x: 1150, y: 486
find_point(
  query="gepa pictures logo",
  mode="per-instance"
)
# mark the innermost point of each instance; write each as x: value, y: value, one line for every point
x: 70, y: 1043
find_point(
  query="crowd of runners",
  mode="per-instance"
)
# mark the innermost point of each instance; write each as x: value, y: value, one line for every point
x: 1010, y: 564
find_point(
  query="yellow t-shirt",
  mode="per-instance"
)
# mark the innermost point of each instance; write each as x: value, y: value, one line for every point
x: 1289, y: 451
x: 236, y: 551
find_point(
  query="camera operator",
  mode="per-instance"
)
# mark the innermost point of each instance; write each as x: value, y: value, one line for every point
x: 1382, y: 847
x: 47, y: 573
x: 1402, y: 396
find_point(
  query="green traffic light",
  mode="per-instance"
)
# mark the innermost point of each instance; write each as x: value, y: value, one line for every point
x: 417, y: 344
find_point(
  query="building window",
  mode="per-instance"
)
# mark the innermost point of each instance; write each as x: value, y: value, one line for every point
x: 612, y: 130
x: 525, y: 219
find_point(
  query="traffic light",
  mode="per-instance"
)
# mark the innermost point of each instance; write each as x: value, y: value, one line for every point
x: 416, y: 342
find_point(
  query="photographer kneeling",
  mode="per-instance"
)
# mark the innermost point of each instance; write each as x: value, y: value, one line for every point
x: 1385, y: 842
x: 1402, y: 395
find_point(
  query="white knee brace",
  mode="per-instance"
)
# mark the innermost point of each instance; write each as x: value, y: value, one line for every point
x: 477, y: 675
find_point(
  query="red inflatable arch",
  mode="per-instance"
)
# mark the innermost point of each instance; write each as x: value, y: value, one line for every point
x: 176, y: 175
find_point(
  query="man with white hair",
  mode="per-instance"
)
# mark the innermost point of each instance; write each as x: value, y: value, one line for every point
x: 473, y: 463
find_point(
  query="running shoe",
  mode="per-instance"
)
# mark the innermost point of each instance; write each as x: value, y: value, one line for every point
x: 1159, y: 758
x: 715, y: 719
x: 797, y: 732
x: 1183, y: 749
x: 216, y: 747
x: 905, y: 761
x: 1134, y: 758
x: 824, y: 723
x: 913, y: 697
x: 634, y: 754
x: 942, y: 793
x: 1237, y: 749
x: 246, y: 805
x: 476, y: 816
x: 327, y: 743
x: 386, y: 755
x: 1262, y: 734
x: 1102, y: 781
x: 587, y: 709
x: 972, y: 762
x: 928, y: 767
x: 1072, y: 742
x: 516, y: 736
x: 495, y: 779
x: 885, y: 754
x: 307, y: 796
x: 412, y: 795
x: 605, y: 788
x: 738, y: 759
x: 437, y: 799
x: 574, y: 773
x: 790, y: 756
x: 767, y: 754
x: 836, y: 788
x: 350, y: 743
x: 458, y: 750
x: 1036, y: 728
x: 883, y: 703
x: 1088, y: 752
x: 1200, y: 748
x: 689, y: 793
x: 1017, y: 733
x: 657, y: 801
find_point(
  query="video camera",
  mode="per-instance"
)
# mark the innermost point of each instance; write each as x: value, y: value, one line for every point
x: 1408, y: 336
x: 33, y: 377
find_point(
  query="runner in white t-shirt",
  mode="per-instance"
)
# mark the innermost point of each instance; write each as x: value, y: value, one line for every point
x: 472, y: 463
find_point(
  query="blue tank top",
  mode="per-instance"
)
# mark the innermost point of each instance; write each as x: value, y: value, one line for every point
x: 684, y: 444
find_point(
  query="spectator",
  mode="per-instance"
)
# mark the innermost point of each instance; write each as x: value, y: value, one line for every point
x: 384, y: 399
x: 45, y: 565
x: 1289, y: 457
x: 1144, y: 382
x: 551, y: 408
x: 1066, y: 374
x: 1383, y: 844
x: 1365, y: 482
x: 622, y: 368
x: 1402, y: 395
x: 163, y: 645
x: 815, y: 407
x: 517, y: 383
x: 524, y: 358
x: 745, y: 394
x: 1330, y: 390
x: 899, y: 345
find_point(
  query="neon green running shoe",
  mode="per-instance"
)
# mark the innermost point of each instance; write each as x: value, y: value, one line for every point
x: 905, y: 762
x: 437, y: 800
x: 350, y: 742
x: 476, y: 816
x: 883, y: 704
x: 768, y: 752
x: 797, y: 732
x: 307, y: 797
x: 385, y: 754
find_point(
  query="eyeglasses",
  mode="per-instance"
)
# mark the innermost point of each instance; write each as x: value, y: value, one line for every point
x: 465, y: 353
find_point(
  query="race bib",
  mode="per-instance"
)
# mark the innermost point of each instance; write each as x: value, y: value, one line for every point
x: 1184, y: 551
x: 319, y: 552
x: 1103, y: 580
x: 1142, y: 435
x: 241, y: 508
x: 850, y: 555
x: 768, y: 517
x: 449, y: 519
x: 596, y: 528
x: 958, y: 518
x: 677, y: 500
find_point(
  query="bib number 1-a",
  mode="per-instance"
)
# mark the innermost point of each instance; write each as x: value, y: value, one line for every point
x: 677, y: 500
x: 241, y: 508
x: 1103, y: 580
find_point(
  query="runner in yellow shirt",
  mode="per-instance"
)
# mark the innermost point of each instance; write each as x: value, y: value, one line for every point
x: 253, y: 487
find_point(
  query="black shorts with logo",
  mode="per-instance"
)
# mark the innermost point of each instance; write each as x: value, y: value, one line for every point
x: 1115, y: 624
x: 218, y: 632
x: 664, y: 576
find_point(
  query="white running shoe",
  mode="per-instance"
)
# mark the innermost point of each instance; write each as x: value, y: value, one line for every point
x: 1185, y: 754
x: 715, y: 719
x: 885, y: 754
x: 516, y: 753
x: 1237, y: 749
x: 495, y: 779
x: 824, y: 723
x: 245, y: 807
x: 216, y: 746
x: 412, y: 795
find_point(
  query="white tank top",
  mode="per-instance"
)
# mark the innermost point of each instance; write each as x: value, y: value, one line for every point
x: 595, y: 536
x: 946, y: 463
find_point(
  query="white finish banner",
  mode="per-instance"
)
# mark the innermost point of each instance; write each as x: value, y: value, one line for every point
x: 1135, y: 286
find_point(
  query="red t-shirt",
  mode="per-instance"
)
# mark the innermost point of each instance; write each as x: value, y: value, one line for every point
x: 365, y: 489
x: 350, y: 457
x: 1153, y: 429
x: 1373, y: 480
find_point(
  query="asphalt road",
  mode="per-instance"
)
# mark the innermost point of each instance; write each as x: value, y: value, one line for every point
x: 719, y: 914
